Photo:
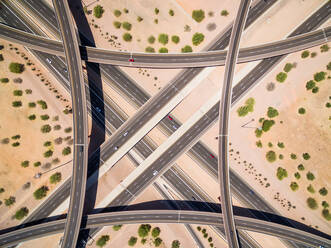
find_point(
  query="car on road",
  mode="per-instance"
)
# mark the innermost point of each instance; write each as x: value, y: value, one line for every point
x: 170, y: 118
x: 98, y: 109
x: 193, y: 198
x: 211, y: 155
x: 174, y: 127
x: 155, y: 172
x: 49, y: 61
x: 131, y: 60
x: 125, y: 134
x: 116, y: 148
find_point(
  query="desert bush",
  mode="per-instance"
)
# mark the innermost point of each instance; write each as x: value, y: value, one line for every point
x: 139, y: 19
x: 271, y: 156
x: 21, y: 213
x: 5, y: 141
x: 58, y: 141
x: 259, y: 143
x: 55, y: 178
x: 4, y: 80
x: 126, y: 10
x: 1, y: 57
x: 175, y: 39
x: 301, y: 111
x: 156, y: 21
x: 313, y: 55
x: 36, y: 164
x: 199, y: 228
x: 281, y: 77
x: 47, y: 143
x: 306, y: 156
x: 294, y: 186
x: 187, y: 49
x: 10, y: 201
x: 151, y: 39
x: 211, y: 26
x: 45, y: 128
x: 310, y: 84
x: 17, y: 104
x: 32, y: 105
x: 163, y: 50
x: 127, y: 37
x: 28, y: 91
x: 272, y: 112
x: 324, y: 48
x: 311, y: 189
x: 319, y: 76
x: 311, y: 202
x: 68, y: 130
x: 301, y: 167
x: 143, y: 230
x: 17, y: 92
x: 16, y: 67
x: 267, y: 124
x: 293, y: 156
x: 163, y: 38
x: 315, y: 90
x: 323, y: 191
x: 2, y: 190
x: 310, y: 176
x: 269, y: 144
x: 297, y: 175
x: 281, y: 173
x: 102, y: 241
x: 132, y: 241
x: 325, y: 204
x: 258, y: 132
x: 149, y: 49
x: 44, y: 117
x: 15, y: 144
x: 117, y: 227
x: 224, y: 12
x: 281, y: 156
x: 156, y: 232
x: 280, y: 145
x: 15, y: 137
x: 197, y: 39
x: 326, y: 214
x: 25, y: 163
x: 48, y: 153
x: 198, y: 15
x: 171, y: 12
x: 328, y: 66
x: 157, y: 242
x: 288, y: 67
x: 117, y: 24
x: 305, y: 54
x: 41, y: 192
x: 156, y: 11
x: 98, y: 11
x: 42, y: 104
x: 18, y: 80
x: 127, y: 26
x: 66, y: 151
x: 175, y: 244
x: 57, y: 127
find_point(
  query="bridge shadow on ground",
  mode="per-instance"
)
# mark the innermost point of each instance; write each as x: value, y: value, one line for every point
x: 206, y: 207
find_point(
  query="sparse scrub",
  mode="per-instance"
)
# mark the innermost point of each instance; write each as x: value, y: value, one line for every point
x: 48, y: 153
x: 102, y: 241
x: 21, y: 213
x: 127, y: 37
x: 312, y: 203
x: 127, y: 26
x: 163, y: 50
x: 17, y: 104
x: 319, y: 76
x: 324, y: 48
x: 117, y: 13
x: 271, y: 156
x: 117, y: 227
x: 58, y: 141
x: 281, y: 77
x: 198, y: 15
x: 311, y: 189
x: 156, y: 232
x: 117, y: 24
x: 305, y: 54
x: 10, y: 201
x: 25, y: 163
x: 66, y: 151
x: 149, y: 49
x: 272, y: 112
x: 301, y: 111
x: 17, y: 92
x: 132, y: 241
x: 46, y: 128
x: 197, y: 39
x: 224, y: 12
x: 281, y: 173
x: 175, y: 39
x: 41, y: 192
x: 310, y: 176
x: 323, y: 191
x: 151, y: 39
x: 163, y: 39
x: 16, y: 67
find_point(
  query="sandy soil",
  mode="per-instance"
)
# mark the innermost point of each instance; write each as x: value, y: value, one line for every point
x: 14, y: 121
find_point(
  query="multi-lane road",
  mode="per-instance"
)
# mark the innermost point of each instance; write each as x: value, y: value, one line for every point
x: 80, y: 124
x: 145, y: 60
x: 170, y: 216
x: 224, y: 110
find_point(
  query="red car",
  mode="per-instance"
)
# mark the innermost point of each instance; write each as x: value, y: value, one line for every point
x: 131, y: 60
x: 211, y: 155
x: 170, y: 118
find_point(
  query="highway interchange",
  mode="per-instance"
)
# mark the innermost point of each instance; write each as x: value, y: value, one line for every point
x: 327, y: 15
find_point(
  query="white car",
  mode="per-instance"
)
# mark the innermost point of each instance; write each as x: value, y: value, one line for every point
x: 98, y: 109
x: 125, y: 134
x: 49, y: 61
x: 116, y: 148
x: 155, y: 172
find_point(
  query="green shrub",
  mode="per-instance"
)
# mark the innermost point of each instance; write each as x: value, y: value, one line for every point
x: 127, y: 37
x: 198, y: 15
x: 311, y: 202
x: 325, y: 204
x: 32, y: 105
x: 175, y: 39
x: 210, y: 239
x: 21, y: 213
x: 10, y: 201
x: 2, y: 190
x: 171, y: 12
x: 306, y: 156
x: 47, y: 143
x: 127, y: 26
x: 281, y: 156
x: 1, y: 57
x: 163, y: 39
x: 15, y: 144
x: 197, y: 39
x: 267, y: 124
x: 313, y: 55
x: 187, y: 49
x: 4, y: 80
x: 143, y: 230
x: 16, y: 67
x: 175, y: 244
x: 301, y: 167
x: 288, y: 67
x: 16, y: 104
x: 293, y: 156
x: 301, y: 111
x: 46, y: 128
x: 272, y: 112
x: 44, y: 117
x: 117, y: 13
x: 156, y: 232
x: 156, y: 21
x: 157, y: 242
x: 328, y: 105
x: 17, y: 92
x: 132, y: 241
x: 101, y: 242
x: 258, y: 132
x: 55, y: 178
x: 149, y: 49
x: 204, y: 231
x: 117, y: 227
x: 281, y: 77
x: 156, y: 11
x: 297, y: 175
x: 32, y: 117
x: 242, y: 111
x: 271, y: 156
x: 310, y: 176
x: 16, y: 137
x: 323, y: 191
x: 315, y: 90
x: 328, y: 66
x: 143, y: 241
x: 326, y: 214
x: 163, y: 50
x: 126, y: 10
x: 151, y: 39
x: 224, y: 12
x: 68, y: 130
x: 269, y: 144
x: 324, y: 48
x: 41, y: 192
x: 66, y: 151
x: 311, y: 189
x: 117, y: 24
x: 42, y: 104
x: 281, y: 173
x: 259, y: 143
x: 139, y: 19
x: 199, y: 228
x: 319, y: 76
x: 36, y: 164
x: 48, y: 153
x: 25, y: 163
x: 280, y: 145
x: 304, y: 54
x: 98, y: 11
